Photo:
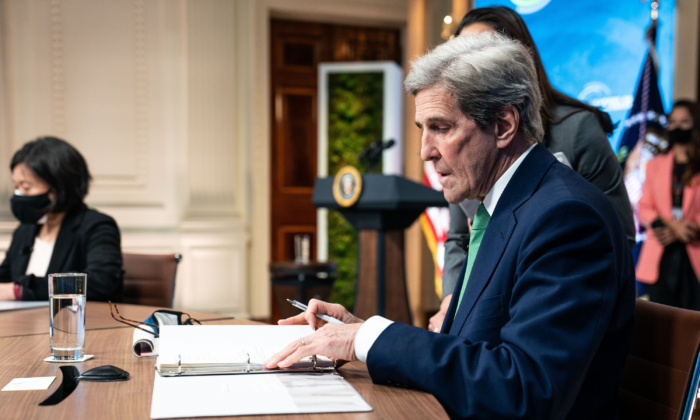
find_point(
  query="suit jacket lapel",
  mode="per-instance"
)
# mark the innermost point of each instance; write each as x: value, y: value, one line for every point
x: 688, y: 196
x: 449, y: 317
x: 500, y: 228
x: 491, y: 249
x: 64, y: 241
x: 665, y: 178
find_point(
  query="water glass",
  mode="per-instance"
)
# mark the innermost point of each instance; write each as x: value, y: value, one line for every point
x: 302, y: 247
x: 67, y: 313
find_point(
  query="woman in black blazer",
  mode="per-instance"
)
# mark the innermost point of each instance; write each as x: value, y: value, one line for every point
x: 58, y: 232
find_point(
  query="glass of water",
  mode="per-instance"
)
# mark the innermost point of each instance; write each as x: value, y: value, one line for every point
x: 67, y: 312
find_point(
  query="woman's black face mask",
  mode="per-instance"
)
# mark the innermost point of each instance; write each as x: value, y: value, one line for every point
x: 28, y: 209
x: 679, y: 136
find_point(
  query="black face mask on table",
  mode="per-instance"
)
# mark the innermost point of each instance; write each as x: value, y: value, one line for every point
x: 679, y: 136
x: 29, y: 209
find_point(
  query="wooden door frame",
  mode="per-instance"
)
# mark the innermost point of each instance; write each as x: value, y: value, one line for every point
x: 253, y: 107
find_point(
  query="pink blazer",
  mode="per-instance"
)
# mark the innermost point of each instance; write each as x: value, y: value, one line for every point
x: 656, y: 201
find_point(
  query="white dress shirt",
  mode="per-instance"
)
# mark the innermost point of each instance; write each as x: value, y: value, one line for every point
x: 373, y: 327
x: 469, y: 206
x: 40, y: 258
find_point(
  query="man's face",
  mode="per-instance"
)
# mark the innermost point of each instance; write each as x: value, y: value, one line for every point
x: 463, y: 154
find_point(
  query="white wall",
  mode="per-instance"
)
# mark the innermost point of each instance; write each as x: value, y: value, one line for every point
x: 145, y: 89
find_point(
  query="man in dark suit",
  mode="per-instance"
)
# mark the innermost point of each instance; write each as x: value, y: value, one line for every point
x: 542, y: 316
x: 574, y: 134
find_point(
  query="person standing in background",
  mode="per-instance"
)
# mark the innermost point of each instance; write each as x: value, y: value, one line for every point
x: 58, y: 233
x: 575, y: 133
x: 670, y: 208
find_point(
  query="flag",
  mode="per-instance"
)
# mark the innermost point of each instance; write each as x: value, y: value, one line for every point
x: 646, y: 116
x: 435, y: 222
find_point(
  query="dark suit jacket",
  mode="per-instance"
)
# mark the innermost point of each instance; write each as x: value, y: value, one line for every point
x: 546, y: 320
x: 584, y: 143
x: 88, y: 242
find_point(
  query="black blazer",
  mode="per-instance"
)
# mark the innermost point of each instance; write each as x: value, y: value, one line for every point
x: 88, y: 242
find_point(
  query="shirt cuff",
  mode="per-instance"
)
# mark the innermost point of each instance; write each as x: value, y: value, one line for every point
x: 368, y: 334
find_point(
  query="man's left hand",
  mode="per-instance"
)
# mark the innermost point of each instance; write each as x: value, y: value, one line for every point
x: 334, y: 341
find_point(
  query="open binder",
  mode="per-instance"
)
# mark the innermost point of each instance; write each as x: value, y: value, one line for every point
x: 194, y: 369
x: 230, y: 349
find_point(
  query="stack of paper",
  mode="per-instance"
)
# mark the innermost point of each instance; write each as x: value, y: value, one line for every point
x: 227, y: 349
x: 14, y: 305
x: 242, y: 394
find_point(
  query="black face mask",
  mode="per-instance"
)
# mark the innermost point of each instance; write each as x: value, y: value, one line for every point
x: 29, y: 209
x: 679, y: 136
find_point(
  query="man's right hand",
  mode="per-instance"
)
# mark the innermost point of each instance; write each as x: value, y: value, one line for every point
x: 320, y: 307
x: 436, y: 320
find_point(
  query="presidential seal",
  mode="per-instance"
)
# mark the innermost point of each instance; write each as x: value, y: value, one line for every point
x: 347, y: 186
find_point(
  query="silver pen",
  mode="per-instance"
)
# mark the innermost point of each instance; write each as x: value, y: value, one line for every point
x: 324, y: 317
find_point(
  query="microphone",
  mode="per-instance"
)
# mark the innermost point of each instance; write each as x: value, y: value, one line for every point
x: 372, y: 154
x: 387, y: 144
x: 26, y: 250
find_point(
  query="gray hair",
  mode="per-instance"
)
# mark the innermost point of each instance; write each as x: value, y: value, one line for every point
x: 486, y: 73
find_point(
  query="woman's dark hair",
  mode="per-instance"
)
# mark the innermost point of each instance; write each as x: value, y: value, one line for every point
x: 61, y: 166
x: 506, y: 21
x: 693, y: 166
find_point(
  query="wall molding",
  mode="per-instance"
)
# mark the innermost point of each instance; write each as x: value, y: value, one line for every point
x: 58, y: 82
x: 156, y: 123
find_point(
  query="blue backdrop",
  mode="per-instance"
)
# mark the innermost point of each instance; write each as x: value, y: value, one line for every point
x: 594, y: 49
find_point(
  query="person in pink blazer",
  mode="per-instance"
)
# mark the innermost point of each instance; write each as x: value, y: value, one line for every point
x: 670, y: 210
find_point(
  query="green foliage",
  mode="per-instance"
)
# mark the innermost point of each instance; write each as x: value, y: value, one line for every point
x: 354, y: 121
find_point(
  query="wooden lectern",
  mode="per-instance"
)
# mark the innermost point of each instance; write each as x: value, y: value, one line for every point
x: 387, y: 205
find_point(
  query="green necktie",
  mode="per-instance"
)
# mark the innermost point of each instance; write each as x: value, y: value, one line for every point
x: 481, y: 221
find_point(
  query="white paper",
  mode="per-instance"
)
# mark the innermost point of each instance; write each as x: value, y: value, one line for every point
x: 143, y: 342
x: 29, y: 384
x: 226, y: 343
x: 254, y: 394
x: 85, y: 357
x: 13, y: 305
x: 243, y: 394
x: 147, y: 345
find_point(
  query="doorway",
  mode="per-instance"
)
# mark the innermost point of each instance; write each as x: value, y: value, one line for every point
x: 296, y: 50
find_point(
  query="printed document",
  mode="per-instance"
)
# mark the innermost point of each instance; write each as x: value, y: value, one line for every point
x: 13, y: 305
x: 221, y: 344
x: 243, y: 394
x: 238, y: 395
